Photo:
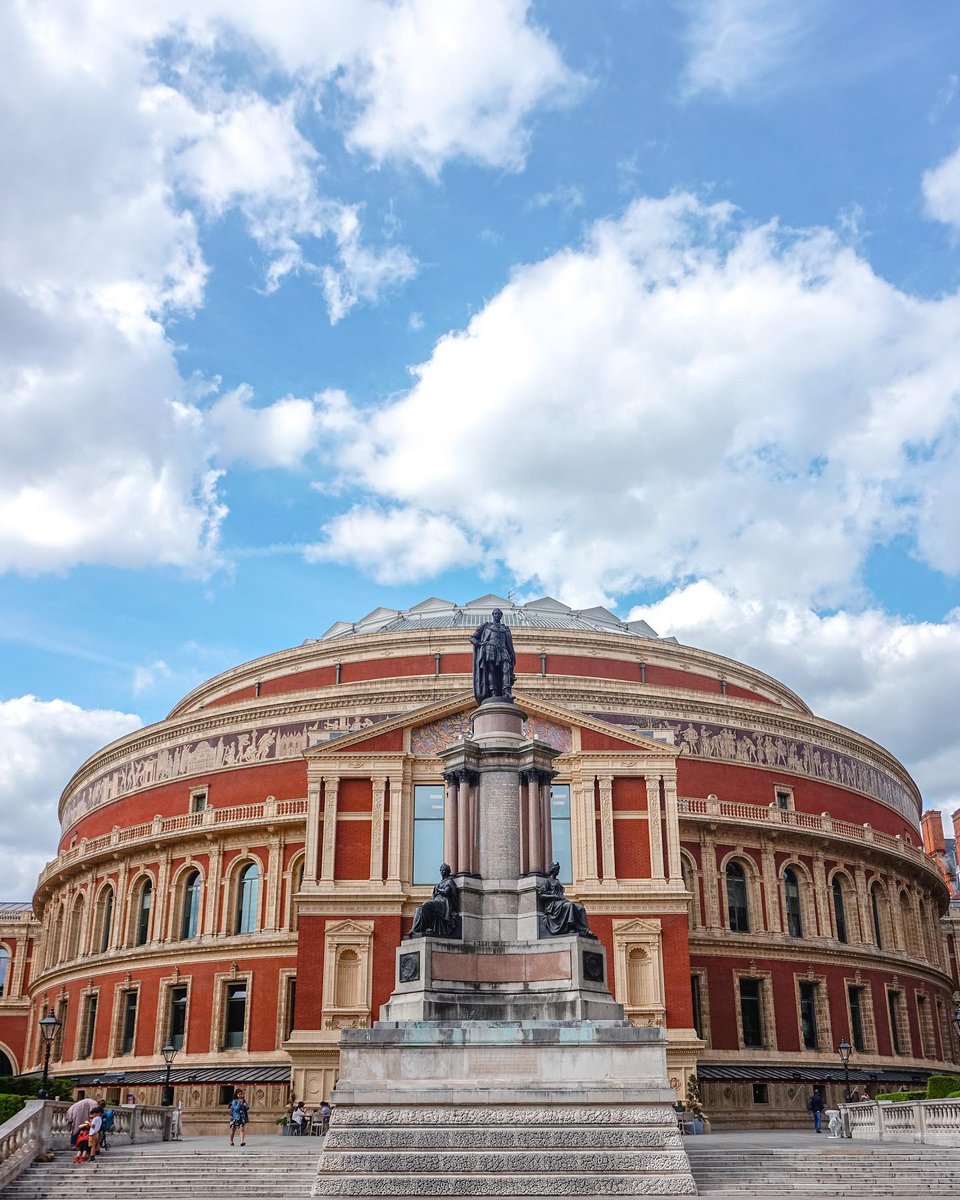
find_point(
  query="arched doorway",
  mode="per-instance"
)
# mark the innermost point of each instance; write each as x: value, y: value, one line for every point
x: 6, y: 1066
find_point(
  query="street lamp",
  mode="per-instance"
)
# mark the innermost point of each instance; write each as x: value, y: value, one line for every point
x: 49, y: 1028
x: 845, y: 1050
x: 169, y: 1053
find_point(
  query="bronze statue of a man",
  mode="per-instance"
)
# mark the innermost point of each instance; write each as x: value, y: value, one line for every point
x: 494, y: 660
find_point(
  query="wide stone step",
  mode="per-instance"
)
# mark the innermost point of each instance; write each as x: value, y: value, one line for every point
x: 545, y: 1186
x: 584, y: 1137
x: 554, y: 1162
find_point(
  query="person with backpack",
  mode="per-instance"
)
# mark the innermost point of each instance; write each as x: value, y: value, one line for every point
x: 815, y: 1105
x: 239, y: 1116
x: 106, y: 1126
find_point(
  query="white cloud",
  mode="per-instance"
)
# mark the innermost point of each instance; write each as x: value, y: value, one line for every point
x: 122, y: 127
x: 277, y: 435
x: 891, y: 679
x: 735, y: 45
x: 396, y: 545
x: 685, y: 395
x: 43, y: 742
x: 941, y: 190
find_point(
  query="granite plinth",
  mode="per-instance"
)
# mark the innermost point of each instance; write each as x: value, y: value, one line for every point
x: 482, y: 1108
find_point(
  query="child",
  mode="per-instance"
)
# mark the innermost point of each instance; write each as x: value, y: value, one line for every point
x: 83, y: 1143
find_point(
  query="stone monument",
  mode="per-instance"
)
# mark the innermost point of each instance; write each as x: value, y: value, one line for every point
x: 501, y: 1065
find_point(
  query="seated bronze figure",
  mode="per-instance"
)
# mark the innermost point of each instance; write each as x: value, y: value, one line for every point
x: 561, y: 915
x: 439, y: 917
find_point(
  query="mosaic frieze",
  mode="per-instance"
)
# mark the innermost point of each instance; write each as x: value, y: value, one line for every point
x: 428, y: 740
x: 730, y: 744
x: 251, y: 747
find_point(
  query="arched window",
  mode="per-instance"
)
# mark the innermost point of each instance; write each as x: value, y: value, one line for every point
x: 6, y: 1066
x: 4, y: 968
x: 639, y: 988
x: 690, y: 883
x: 56, y: 933
x: 839, y: 911
x: 737, y: 911
x: 190, y: 906
x: 144, y: 902
x: 75, y: 929
x: 791, y: 897
x: 875, y: 902
x: 248, y: 895
x: 347, y: 992
x: 104, y: 920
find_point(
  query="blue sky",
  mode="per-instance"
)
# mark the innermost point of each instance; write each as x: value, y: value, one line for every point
x: 312, y: 307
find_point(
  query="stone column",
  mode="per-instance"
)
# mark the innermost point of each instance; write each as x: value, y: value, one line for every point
x: 379, y: 787
x: 546, y: 828
x: 770, y: 887
x: 464, y: 823
x: 272, y: 883
x: 606, y: 829
x: 534, y: 835
x: 396, y: 828
x: 474, y: 824
x: 820, y: 895
x: 864, y: 913
x: 673, y: 825
x: 524, y: 826
x: 451, y: 824
x: 312, y: 842
x: 711, y: 880
x: 583, y: 830
x: 653, y: 826
x: 330, y: 787
x: 214, y: 886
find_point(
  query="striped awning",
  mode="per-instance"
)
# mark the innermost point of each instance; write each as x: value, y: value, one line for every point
x: 232, y: 1074
x: 794, y: 1072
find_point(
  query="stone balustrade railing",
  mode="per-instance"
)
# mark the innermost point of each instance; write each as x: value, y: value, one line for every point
x: 759, y: 814
x: 41, y: 1126
x: 270, y: 809
x: 936, y: 1122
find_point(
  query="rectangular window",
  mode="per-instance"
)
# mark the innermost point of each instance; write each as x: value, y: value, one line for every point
x: 198, y: 801
x: 290, y: 1015
x: 89, y: 1026
x: 761, y: 1093
x: 226, y: 1093
x: 783, y: 799
x: 893, y: 1006
x: 177, y: 1023
x: 128, y: 1021
x: 750, y: 1012
x: 697, y: 1005
x: 427, y: 832
x: 855, y: 997
x: 560, y: 829
x: 808, y: 1015
x: 62, y: 1018
x: 236, y: 1016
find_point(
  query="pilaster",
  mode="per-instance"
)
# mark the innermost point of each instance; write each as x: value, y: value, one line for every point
x: 330, y: 787
x: 653, y: 825
x: 377, y: 819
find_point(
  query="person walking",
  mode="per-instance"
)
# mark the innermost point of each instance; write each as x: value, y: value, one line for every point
x: 816, y: 1106
x: 239, y: 1116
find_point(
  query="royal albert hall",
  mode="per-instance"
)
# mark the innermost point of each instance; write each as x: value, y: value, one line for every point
x: 234, y: 880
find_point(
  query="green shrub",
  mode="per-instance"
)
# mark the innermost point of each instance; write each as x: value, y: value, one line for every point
x: 59, y: 1089
x: 940, y: 1086
x: 898, y: 1096
x: 10, y: 1106
x: 952, y: 1095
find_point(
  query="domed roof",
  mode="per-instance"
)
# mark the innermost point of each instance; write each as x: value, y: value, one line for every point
x: 545, y: 613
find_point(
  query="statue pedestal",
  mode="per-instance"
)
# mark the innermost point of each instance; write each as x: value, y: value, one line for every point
x: 502, y: 1065
x: 477, y: 1108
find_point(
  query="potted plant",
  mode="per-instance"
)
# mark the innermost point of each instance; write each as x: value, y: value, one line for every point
x: 282, y: 1124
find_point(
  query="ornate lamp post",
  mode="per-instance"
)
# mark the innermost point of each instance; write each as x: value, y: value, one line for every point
x: 845, y: 1050
x: 169, y: 1053
x: 49, y: 1028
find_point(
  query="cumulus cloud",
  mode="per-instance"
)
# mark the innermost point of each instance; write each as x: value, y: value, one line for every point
x: 941, y: 190
x: 44, y: 742
x: 394, y: 545
x: 125, y: 130
x: 685, y: 395
x: 275, y: 435
x: 735, y: 45
x: 891, y: 679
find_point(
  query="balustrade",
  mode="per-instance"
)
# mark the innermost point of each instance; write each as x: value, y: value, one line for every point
x: 935, y: 1122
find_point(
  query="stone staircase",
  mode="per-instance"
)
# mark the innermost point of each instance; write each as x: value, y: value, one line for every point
x: 850, y: 1169
x: 501, y: 1150
x: 271, y: 1168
